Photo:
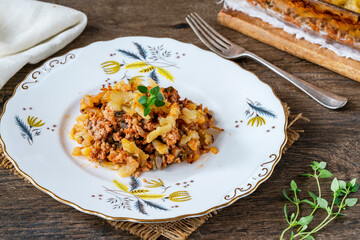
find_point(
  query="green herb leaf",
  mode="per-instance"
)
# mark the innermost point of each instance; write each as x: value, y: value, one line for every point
x: 313, y: 195
x: 351, y: 202
x: 306, y: 175
x: 160, y: 97
x: 339, y: 214
x: 142, y: 89
x: 325, y: 173
x: 352, y: 182
x: 322, y: 202
x: 335, y: 185
x: 143, y: 99
x: 337, y: 201
x: 312, y: 204
x: 152, y: 101
x: 322, y: 165
x: 304, y: 228
x: 309, y: 238
x: 305, y: 220
x: 342, y: 184
x: 315, y: 165
x: 159, y: 103
x: 286, y: 216
x: 155, y: 91
x: 292, y: 216
x: 286, y: 196
x: 292, y: 235
x: 340, y: 193
x: 354, y: 188
x: 155, y: 98
x: 293, y: 185
x: 147, y: 111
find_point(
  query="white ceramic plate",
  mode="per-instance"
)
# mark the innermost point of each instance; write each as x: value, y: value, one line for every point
x: 37, y: 119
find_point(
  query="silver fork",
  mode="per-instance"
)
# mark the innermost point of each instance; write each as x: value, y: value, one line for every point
x: 227, y: 49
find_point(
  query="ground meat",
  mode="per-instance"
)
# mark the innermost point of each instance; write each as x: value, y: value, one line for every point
x: 171, y: 95
x: 187, y: 127
x: 172, y: 137
x: 119, y: 156
x: 99, y: 128
x: 140, y: 131
x: 175, y: 151
x: 150, y: 126
x: 101, y: 151
x: 122, y: 124
x: 170, y: 158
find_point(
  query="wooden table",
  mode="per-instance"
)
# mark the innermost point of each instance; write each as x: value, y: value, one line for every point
x: 331, y: 136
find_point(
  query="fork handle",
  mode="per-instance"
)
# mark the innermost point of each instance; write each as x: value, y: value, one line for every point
x: 323, y: 97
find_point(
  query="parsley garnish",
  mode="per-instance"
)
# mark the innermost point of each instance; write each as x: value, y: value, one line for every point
x: 155, y: 97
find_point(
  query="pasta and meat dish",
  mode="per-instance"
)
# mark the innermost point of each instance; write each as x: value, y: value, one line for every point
x: 317, y: 16
x: 114, y: 131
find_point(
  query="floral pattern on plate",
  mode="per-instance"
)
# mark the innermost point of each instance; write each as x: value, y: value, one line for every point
x: 135, y: 196
x: 152, y: 61
x: 31, y: 128
x: 256, y: 108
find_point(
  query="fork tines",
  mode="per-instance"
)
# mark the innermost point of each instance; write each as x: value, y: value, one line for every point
x: 208, y: 35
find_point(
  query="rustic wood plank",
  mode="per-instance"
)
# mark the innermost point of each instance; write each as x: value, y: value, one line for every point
x: 264, y: 32
x: 332, y: 136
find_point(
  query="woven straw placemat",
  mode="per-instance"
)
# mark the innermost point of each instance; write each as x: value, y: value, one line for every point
x: 173, y: 230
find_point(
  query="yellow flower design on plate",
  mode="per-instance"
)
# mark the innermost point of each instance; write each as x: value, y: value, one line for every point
x: 151, y: 61
x: 257, y: 113
x: 111, y: 67
x: 132, y: 195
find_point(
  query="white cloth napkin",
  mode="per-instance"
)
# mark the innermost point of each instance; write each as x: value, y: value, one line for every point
x: 31, y: 31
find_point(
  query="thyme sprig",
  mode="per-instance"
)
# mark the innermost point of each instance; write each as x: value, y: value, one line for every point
x: 340, y: 192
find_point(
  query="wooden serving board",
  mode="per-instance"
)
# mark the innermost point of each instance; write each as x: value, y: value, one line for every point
x: 276, y: 37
